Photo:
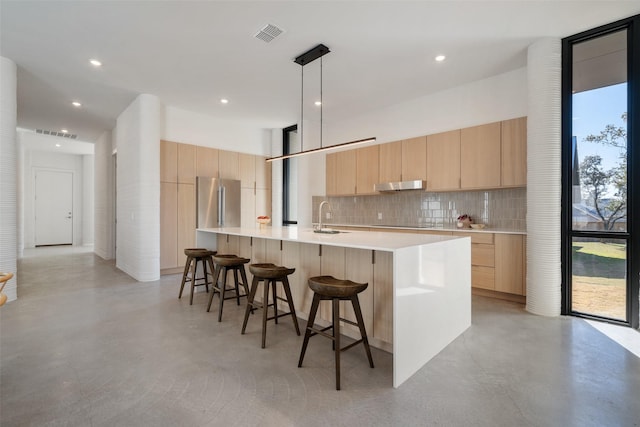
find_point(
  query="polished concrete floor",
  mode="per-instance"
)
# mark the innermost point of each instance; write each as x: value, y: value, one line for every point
x: 85, y: 345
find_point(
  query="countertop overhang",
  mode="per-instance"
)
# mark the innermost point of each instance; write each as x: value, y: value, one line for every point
x: 374, y: 240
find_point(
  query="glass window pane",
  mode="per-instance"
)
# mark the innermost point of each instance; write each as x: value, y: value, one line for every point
x: 599, y: 124
x: 599, y: 284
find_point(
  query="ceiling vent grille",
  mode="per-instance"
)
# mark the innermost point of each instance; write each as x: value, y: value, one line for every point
x: 54, y: 133
x: 268, y: 33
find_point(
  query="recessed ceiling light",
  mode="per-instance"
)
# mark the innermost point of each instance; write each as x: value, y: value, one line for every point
x: 58, y: 145
x: 95, y: 62
x: 224, y: 101
x: 64, y: 131
x: 76, y: 104
x: 318, y: 103
x: 440, y: 58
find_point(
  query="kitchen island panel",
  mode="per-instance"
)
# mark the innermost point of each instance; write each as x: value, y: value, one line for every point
x: 430, y: 308
x: 425, y: 278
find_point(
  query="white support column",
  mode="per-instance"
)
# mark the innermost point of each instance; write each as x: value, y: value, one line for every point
x: 138, y: 188
x: 544, y: 173
x: 8, y: 175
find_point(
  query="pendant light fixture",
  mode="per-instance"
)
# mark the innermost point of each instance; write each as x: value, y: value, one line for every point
x: 309, y: 56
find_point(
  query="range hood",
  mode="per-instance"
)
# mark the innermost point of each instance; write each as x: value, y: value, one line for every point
x: 418, y: 184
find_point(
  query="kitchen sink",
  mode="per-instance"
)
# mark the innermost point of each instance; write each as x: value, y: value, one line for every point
x: 327, y: 231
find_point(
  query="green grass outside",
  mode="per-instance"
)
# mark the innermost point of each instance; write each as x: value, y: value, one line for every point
x: 599, y: 260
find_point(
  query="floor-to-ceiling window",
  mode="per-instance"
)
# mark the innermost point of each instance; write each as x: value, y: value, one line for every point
x: 290, y: 144
x: 601, y: 189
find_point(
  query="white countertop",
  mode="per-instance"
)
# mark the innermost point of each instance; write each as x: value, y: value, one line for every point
x: 374, y: 240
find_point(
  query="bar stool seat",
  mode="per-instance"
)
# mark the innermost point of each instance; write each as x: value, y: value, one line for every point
x: 195, y: 255
x: 270, y: 274
x: 223, y: 264
x: 330, y: 288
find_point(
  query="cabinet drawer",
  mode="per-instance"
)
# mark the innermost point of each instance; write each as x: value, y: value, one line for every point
x: 483, y: 277
x: 484, y: 238
x: 483, y: 255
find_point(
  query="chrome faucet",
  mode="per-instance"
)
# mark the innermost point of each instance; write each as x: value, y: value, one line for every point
x: 324, y: 202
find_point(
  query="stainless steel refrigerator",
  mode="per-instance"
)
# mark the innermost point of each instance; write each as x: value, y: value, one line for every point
x: 217, y: 202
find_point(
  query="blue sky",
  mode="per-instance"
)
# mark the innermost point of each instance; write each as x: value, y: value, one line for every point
x: 592, y: 111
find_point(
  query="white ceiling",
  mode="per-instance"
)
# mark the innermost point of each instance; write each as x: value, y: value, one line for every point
x: 191, y: 54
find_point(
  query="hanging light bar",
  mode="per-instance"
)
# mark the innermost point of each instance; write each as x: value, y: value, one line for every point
x: 309, y: 56
x: 317, y: 150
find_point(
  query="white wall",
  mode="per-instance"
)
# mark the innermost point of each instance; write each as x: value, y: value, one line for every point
x: 137, y: 136
x: 103, y: 197
x: 497, y: 98
x: 199, y: 129
x: 8, y: 175
x: 88, y: 211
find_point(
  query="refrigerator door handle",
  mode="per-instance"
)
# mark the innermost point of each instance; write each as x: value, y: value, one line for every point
x: 221, y: 205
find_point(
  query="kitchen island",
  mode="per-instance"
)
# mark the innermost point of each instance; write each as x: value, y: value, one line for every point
x: 419, y: 295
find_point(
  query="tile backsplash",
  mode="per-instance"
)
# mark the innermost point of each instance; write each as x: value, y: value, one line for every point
x: 503, y: 208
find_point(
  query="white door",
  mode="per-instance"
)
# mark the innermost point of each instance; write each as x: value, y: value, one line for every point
x: 53, y: 208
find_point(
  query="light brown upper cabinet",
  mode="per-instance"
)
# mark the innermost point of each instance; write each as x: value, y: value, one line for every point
x: 341, y: 173
x: 480, y: 156
x: 514, y: 152
x: 414, y: 159
x: 206, y: 162
x: 443, y: 161
x: 247, y: 166
x: 229, y: 164
x: 263, y: 173
x: 168, y: 161
x: 390, y: 162
x: 366, y: 169
x: 186, y: 164
x: 331, y: 165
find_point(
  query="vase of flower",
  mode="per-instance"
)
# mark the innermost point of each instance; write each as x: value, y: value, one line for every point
x: 464, y: 221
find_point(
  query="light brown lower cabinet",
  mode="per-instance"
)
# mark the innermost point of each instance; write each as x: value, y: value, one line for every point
x: 168, y: 225
x: 177, y: 222
x: 186, y: 220
x: 510, y: 260
x: 382, y: 297
x: 374, y: 268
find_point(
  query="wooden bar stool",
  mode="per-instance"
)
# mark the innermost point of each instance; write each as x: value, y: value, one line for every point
x: 330, y: 288
x: 223, y: 264
x: 195, y: 255
x: 270, y: 274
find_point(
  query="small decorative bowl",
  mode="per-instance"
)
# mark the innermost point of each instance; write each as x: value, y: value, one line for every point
x: 478, y: 226
x: 263, y: 221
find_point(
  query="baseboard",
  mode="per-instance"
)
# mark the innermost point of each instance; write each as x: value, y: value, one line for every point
x: 174, y: 270
x: 499, y: 295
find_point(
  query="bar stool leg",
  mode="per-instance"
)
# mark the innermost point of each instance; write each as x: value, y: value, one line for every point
x: 187, y: 266
x: 356, y: 308
x: 265, y: 309
x: 194, y: 271
x: 251, y: 297
x: 310, y: 322
x: 245, y: 283
x: 223, y: 289
x: 214, y: 285
x: 336, y: 334
x: 274, y: 285
x: 206, y: 275
x: 292, y: 310
x: 235, y: 281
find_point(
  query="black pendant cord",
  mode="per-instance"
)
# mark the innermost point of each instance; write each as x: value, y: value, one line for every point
x: 302, y: 110
x: 321, y: 102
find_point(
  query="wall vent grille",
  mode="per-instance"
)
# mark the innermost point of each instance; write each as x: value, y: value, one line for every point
x: 268, y: 33
x: 54, y: 133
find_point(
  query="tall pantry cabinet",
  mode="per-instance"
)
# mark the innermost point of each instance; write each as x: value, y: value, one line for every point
x: 180, y: 164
